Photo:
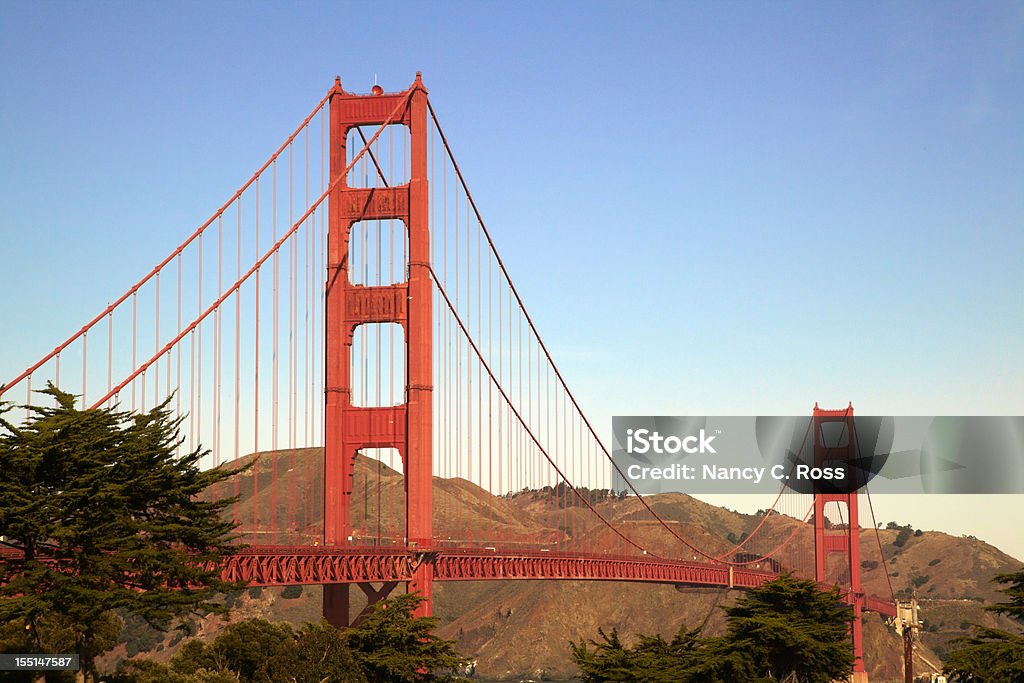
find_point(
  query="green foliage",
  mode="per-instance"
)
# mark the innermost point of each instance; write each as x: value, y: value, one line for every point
x: 138, y: 636
x: 106, y: 517
x: 291, y: 592
x: 991, y: 654
x: 609, y: 661
x: 988, y: 656
x: 786, y: 629
x: 902, y: 537
x: 790, y: 627
x: 318, y: 653
x: 147, y: 671
x: 244, y: 647
x: 687, y: 659
x: 233, y: 598
x: 392, y: 645
x: 920, y: 581
x: 263, y: 652
x: 1015, y: 607
x: 54, y: 634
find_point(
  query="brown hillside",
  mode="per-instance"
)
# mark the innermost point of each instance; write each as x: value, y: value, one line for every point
x: 519, y: 629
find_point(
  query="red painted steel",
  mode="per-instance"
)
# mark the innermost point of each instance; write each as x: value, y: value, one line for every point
x: 279, y: 566
x: 839, y: 446
x: 406, y: 427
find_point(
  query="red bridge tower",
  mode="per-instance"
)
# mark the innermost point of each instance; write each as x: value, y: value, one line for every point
x: 835, y: 441
x: 407, y: 426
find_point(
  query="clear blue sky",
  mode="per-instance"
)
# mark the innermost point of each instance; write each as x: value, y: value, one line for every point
x: 747, y: 207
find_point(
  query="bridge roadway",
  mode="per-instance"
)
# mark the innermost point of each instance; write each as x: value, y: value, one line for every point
x: 291, y: 565
x: 315, y: 565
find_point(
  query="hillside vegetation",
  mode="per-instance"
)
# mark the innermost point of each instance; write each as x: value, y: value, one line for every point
x: 517, y: 629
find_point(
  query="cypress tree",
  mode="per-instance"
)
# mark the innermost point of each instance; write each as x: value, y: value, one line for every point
x: 393, y: 645
x: 790, y: 627
x: 991, y: 654
x: 785, y: 630
x: 98, y: 513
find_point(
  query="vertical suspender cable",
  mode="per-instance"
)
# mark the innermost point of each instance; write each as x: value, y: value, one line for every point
x: 309, y: 379
x: 479, y: 380
x: 197, y: 417
x: 135, y: 341
x: 218, y: 348
x: 275, y: 343
x: 85, y: 362
x: 110, y: 360
x: 256, y: 383
x: 490, y: 396
x: 177, y: 385
x: 156, y: 345
x: 238, y: 358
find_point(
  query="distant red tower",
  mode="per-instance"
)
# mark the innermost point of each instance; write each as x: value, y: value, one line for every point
x: 405, y: 427
x: 835, y: 441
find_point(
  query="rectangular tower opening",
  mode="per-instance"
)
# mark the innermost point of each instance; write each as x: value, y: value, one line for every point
x: 378, y: 365
x: 378, y: 498
x: 386, y: 164
x: 378, y: 252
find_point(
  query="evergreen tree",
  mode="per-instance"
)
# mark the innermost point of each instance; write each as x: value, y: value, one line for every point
x: 610, y: 660
x: 790, y: 627
x: 787, y: 629
x: 103, y: 515
x: 319, y: 653
x: 992, y: 654
x: 148, y: 671
x: 244, y: 648
x: 1015, y: 607
x: 264, y: 652
x: 392, y: 645
x: 686, y: 659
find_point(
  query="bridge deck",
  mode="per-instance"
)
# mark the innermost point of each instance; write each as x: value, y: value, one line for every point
x: 315, y: 565
x: 282, y: 566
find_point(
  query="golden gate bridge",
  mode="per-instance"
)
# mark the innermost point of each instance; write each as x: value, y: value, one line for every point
x: 345, y: 317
